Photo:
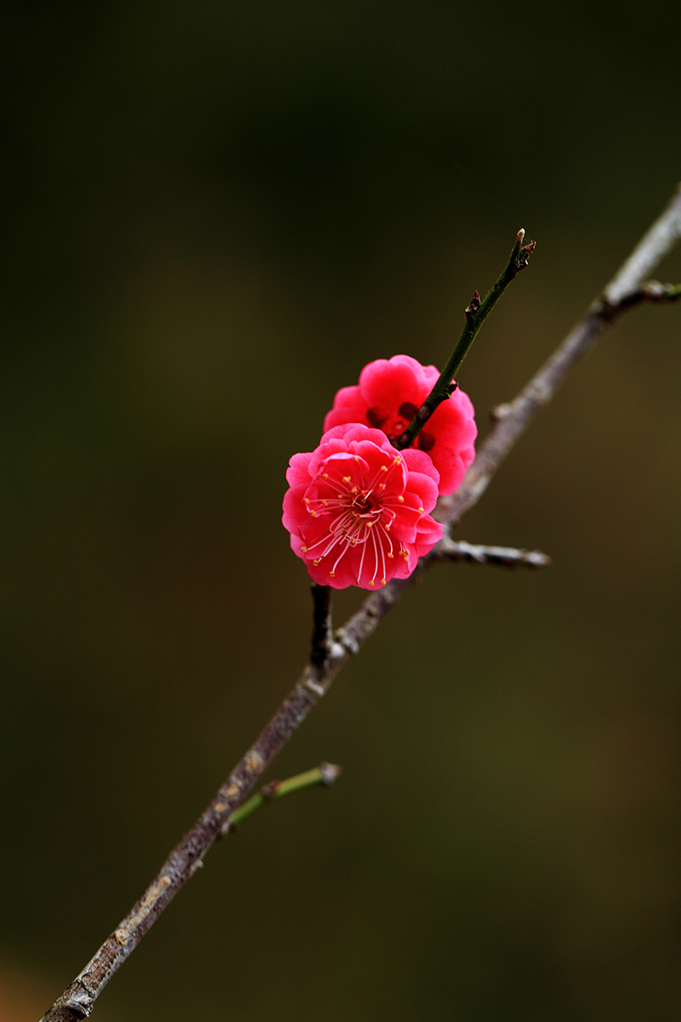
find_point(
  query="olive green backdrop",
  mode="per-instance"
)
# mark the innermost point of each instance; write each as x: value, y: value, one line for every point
x: 214, y: 214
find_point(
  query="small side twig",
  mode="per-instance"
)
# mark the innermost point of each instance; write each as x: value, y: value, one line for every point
x: 503, y: 556
x: 652, y: 291
x: 324, y: 775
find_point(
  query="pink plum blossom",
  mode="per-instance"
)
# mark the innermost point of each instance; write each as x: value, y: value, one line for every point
x: 357, y: 509
x: 390, y: 392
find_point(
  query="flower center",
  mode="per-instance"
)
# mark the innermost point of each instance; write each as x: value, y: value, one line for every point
x: 354, y: 513
x: 363, y: 505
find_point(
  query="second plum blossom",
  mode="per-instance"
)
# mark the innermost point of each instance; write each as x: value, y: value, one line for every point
x: 390, y: 392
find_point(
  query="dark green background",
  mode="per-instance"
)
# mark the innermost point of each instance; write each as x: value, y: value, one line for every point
x: 213, y: 215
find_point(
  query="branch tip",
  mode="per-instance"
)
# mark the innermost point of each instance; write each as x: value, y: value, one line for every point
x: 501, y: 556
x: 523, y: 256
x: 329, y: 772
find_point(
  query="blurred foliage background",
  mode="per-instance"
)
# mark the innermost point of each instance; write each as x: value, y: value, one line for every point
x: 214, y: 214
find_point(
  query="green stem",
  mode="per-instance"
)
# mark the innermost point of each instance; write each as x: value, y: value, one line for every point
x: 476, y: 313
x: 325, y: 774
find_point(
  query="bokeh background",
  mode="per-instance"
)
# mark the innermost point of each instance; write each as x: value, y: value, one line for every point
x: 213, y: 215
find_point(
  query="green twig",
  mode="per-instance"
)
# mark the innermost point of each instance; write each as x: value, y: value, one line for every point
x: 325, y: 774
x: 476, y: 313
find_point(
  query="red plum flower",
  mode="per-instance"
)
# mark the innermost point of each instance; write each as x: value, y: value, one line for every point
x: 357, y: 509
x: 389, y: 394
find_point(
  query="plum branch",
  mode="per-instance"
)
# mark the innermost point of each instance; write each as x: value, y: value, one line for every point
x: 331, y: 650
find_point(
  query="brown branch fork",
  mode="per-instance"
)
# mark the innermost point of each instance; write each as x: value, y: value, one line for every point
x: 330, y: 650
